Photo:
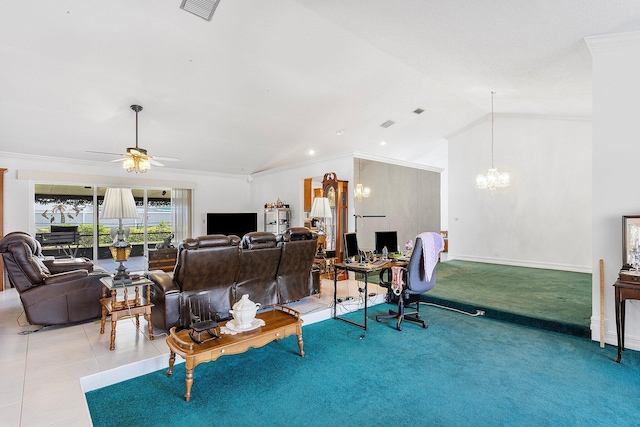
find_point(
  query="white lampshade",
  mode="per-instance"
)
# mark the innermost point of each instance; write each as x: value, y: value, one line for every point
x: 119, y: 204
x: 321, y: 208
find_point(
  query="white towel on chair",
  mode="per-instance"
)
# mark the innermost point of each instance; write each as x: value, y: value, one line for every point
x: 432, y: 245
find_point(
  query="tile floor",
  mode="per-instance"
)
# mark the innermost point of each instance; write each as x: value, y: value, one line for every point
x: 46, y: 373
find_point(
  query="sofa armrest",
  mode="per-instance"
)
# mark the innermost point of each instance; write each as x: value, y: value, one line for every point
x: 65, y: 277
x: 164, y: 282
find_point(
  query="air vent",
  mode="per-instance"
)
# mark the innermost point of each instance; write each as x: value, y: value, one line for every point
x: 418, y: 111
x: 202, y: 8
x: 387, y: 123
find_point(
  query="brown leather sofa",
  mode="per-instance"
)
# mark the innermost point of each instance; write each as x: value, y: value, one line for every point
x: 49, y: 299
x: 270, y: 269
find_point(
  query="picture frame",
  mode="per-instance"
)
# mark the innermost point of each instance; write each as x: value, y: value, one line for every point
x: 627, y: 222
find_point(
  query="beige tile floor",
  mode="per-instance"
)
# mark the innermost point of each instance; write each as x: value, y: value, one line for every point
x: 45, y: 374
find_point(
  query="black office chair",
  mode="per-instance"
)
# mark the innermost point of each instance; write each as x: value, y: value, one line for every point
x: 415, y: 283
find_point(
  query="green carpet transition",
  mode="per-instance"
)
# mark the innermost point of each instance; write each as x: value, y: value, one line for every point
x: 462, y: 370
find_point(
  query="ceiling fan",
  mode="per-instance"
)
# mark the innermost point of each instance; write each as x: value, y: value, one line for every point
x: 136, y: 159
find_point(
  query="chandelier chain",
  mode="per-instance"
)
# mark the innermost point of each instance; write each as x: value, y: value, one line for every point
x: 492, y: 93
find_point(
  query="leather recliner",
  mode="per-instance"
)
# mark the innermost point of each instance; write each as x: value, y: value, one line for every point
x: 49, y: 299
x: 298, y: 245
x: 259, y: 261
x: 204, y: 263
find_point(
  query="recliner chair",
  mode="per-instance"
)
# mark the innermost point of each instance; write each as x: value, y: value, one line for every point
x: 49, y: 299
x: 415, y: 283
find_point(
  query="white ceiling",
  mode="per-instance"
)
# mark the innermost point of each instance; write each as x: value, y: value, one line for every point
x: 265, y: 81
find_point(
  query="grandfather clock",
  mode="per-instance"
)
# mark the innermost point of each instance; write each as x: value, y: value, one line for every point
x: 337, y: 193
x: 2, y: 171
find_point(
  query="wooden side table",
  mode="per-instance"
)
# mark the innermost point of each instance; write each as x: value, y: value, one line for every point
x: 127, y: 307
x: 626, y: 288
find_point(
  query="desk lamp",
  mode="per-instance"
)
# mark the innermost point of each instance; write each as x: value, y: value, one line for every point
x: 322, y: 211
x: 119, y: 204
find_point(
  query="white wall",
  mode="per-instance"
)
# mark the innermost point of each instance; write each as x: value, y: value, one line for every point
x: 287, y: 184
x: 212, y: 192
x: 616, y: 152
x: 544, y: 218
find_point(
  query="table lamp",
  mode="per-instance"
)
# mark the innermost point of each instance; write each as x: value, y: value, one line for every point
x: 119, y: 204
x: 321, y: 210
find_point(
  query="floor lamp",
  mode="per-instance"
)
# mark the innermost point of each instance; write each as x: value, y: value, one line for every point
x: 119, y: 204
x: 321, y: 210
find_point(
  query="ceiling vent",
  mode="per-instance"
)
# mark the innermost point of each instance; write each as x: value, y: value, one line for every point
x: 387, y: 123
x: 418, y: 111
x: 202, y: 8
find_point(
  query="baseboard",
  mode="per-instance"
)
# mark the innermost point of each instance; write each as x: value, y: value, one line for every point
x: 631, y: 342
x: 521, y: 263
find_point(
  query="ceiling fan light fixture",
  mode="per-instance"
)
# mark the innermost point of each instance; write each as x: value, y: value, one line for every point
x: 128, y: 164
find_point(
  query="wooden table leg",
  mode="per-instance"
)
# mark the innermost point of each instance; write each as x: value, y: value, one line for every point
x: 114, y: 321
x: 103, y: 319
x: 147, y: 317
x: 172, y: 360
x: 300, y: 344
x: 619, y: 322
x: 189, y: 380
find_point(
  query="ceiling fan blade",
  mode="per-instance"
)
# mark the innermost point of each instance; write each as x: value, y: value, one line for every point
x: 104, y: 152
x: 154, y: 162
x: 117, y: 160
x: 165, y: 159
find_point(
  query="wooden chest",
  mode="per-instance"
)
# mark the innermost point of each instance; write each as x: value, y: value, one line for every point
x: 162, y: 259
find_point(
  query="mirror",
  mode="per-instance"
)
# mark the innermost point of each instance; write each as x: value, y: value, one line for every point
x: 630, y: 240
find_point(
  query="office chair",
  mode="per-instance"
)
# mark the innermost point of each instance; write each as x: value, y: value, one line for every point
x: 416, y: 282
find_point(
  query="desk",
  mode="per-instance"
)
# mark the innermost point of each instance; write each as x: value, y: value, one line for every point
x: 624, y: 290
x: 127, y: 307
x: 279, y: 323
x: 365, y: 269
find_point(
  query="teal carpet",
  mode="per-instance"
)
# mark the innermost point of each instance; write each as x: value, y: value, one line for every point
x: 462, y: 370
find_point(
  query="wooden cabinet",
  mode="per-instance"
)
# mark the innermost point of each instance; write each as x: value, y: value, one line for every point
x: 163, y: 259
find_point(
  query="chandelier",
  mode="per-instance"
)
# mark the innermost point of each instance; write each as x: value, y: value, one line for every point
x: 492, y: 179
x: 360, y: 190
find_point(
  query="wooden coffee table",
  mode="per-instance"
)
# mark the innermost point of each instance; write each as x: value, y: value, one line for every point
x: 279, y: 323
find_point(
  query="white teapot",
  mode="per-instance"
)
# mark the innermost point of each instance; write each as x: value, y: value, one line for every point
x: 244, y: 311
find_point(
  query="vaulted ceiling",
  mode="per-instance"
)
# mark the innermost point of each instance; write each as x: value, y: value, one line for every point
x: 264, y: 82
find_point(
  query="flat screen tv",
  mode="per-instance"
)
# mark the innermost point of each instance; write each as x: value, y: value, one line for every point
x: 232, y: 223
x: 388, y: 239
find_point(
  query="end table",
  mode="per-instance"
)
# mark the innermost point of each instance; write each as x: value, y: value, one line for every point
x: 127, y: 307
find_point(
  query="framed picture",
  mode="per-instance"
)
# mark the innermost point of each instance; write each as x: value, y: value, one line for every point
x: 630, y: 238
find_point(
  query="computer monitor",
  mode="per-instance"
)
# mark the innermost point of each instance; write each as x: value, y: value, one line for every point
x: 388, y: 239
x: 350, y: 245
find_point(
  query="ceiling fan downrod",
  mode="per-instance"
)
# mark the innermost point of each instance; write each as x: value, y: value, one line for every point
x: 137, y: 109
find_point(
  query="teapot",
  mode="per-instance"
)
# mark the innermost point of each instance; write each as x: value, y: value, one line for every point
x: 244, y: 311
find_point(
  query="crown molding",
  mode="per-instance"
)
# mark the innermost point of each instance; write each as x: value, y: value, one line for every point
x: 612, y: 41
x: 380, y: 159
